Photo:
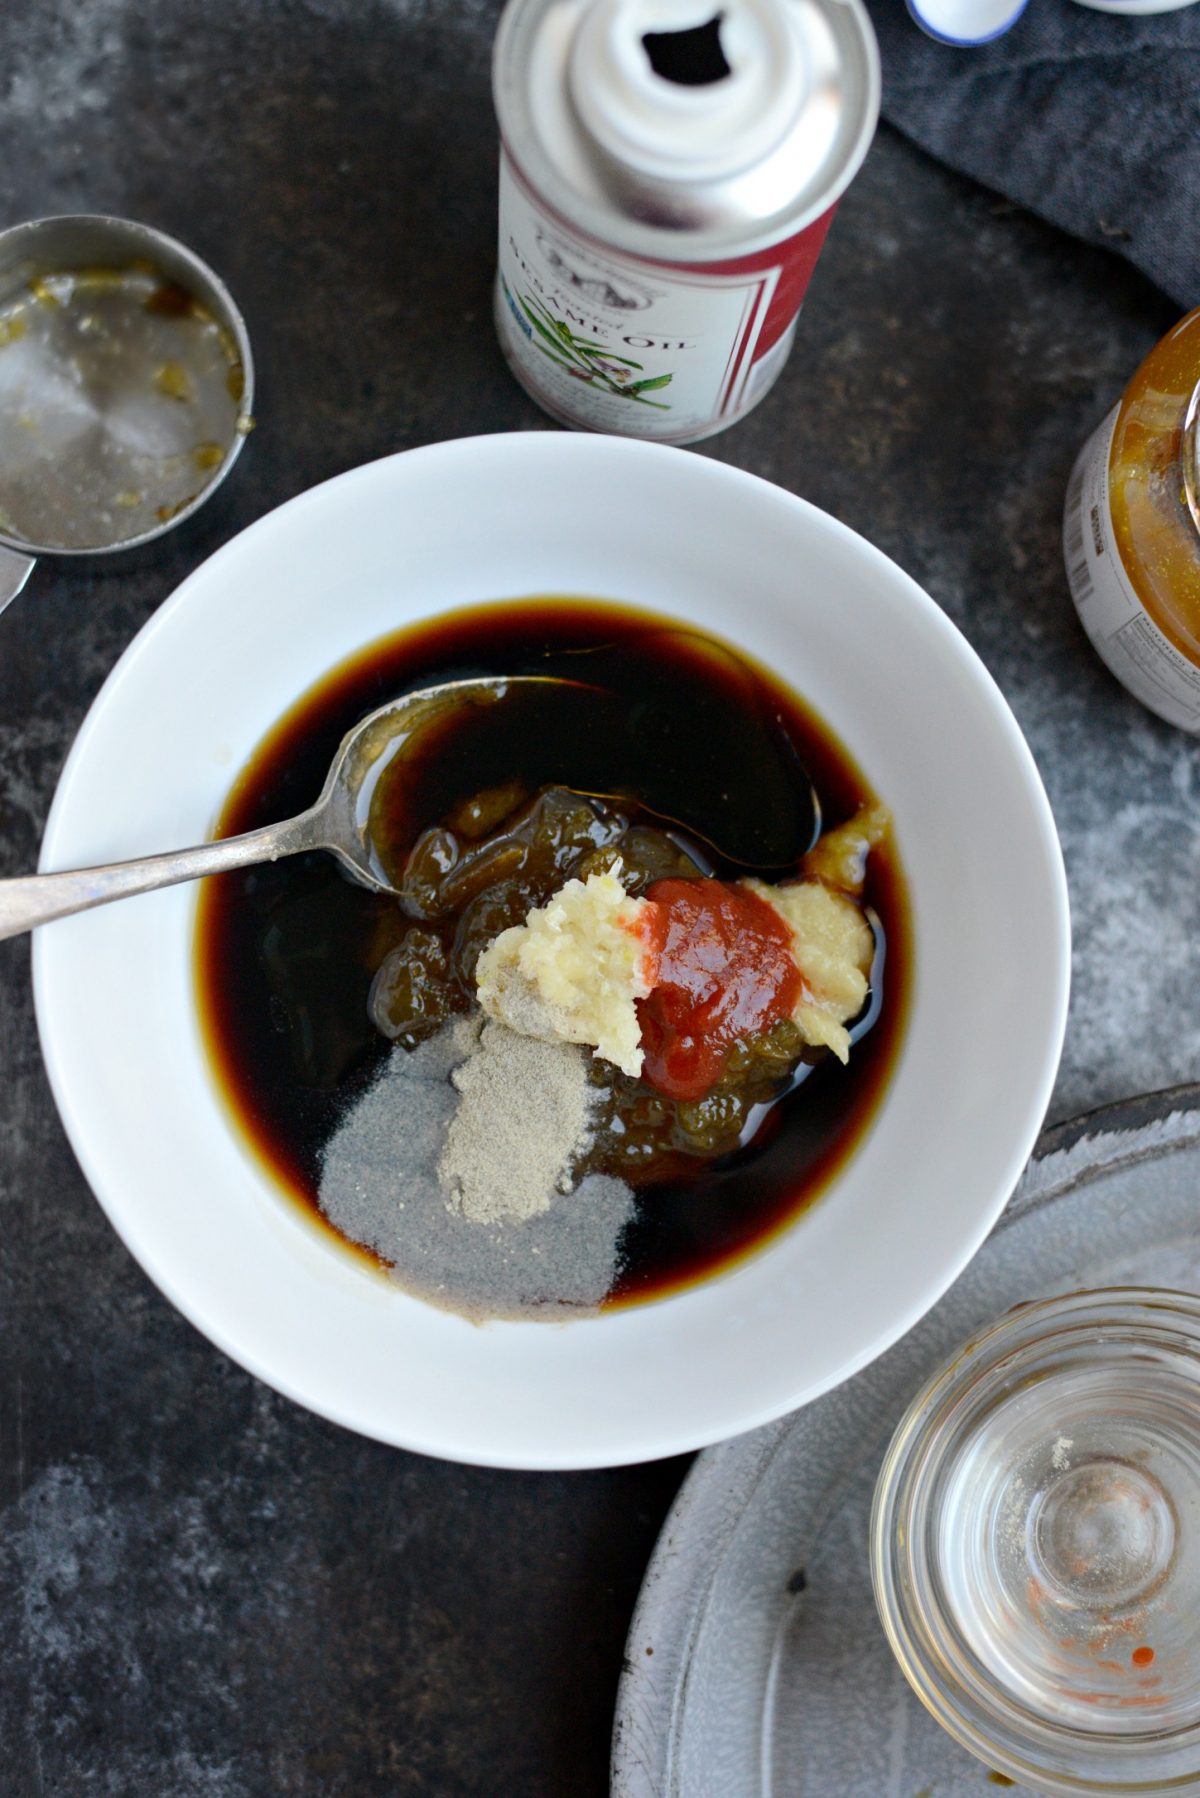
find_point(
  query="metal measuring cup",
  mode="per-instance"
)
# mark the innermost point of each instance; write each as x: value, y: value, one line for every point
x: 126, y: 383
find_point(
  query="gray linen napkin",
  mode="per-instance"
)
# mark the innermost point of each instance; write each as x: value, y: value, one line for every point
x: 1090, y: 119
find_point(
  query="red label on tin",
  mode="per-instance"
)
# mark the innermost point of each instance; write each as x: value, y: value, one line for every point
x: 792, y: 261
x: 656, y: 349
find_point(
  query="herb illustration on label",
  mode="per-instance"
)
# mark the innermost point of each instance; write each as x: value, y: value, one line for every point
x: 582, y: 357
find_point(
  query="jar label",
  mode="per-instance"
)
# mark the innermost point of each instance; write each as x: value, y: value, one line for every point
x: 618, y: 343
x: 1123, y: 634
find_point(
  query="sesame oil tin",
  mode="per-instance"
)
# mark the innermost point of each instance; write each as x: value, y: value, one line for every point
x: 667, y: 178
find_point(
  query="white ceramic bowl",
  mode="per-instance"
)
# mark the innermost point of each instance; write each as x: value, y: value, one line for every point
x: 596, y: 516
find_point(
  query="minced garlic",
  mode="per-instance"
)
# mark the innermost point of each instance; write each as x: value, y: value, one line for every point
x: 573, y: 971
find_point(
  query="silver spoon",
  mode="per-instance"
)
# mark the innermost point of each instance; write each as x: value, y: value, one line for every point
x: 338, y: 822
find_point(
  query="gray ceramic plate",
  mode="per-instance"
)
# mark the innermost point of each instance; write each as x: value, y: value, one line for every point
x: 756, y: 1666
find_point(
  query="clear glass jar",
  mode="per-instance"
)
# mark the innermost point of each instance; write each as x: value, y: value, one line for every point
x: 1131, y: 531
x: 1035, y: 1544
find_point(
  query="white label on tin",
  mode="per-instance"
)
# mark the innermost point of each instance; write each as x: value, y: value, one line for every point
x: 615, y: 343
x: 1122, y: 632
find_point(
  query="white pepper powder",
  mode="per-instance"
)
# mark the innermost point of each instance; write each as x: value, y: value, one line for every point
x: 460, y: 1249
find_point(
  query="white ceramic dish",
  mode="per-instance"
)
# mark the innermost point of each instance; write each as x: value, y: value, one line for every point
x: 504, y: 516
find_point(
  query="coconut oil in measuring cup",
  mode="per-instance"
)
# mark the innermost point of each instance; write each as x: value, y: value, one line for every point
x: 668, y: 172
x: 125, y: 388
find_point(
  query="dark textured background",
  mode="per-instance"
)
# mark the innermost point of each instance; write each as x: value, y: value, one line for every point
x: 205, y: 1592
x: 1090, y: 119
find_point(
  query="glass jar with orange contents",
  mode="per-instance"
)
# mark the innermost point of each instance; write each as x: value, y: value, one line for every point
x: 1131, y: 531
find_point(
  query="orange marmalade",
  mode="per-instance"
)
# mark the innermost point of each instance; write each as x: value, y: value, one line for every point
x: 1131, y: 532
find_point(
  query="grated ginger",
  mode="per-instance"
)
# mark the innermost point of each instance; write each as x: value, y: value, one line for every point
x: 832, y: 946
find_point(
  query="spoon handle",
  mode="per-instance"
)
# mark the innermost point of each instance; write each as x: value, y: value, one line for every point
x: 38, y: 898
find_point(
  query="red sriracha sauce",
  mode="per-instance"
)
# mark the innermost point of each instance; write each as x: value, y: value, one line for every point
x: 725, y: 970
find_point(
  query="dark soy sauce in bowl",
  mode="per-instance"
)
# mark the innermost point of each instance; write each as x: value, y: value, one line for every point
x: 286, y: 953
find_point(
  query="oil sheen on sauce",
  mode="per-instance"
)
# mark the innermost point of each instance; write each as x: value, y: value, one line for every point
x: 285, y: 953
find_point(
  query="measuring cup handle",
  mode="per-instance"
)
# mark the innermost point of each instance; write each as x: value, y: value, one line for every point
x: 15, y: 570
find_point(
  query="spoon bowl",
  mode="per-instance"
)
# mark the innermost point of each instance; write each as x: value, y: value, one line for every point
x: 338, y: 822
x: 766, y: 843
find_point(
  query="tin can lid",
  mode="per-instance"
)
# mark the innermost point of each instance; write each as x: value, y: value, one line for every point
x: 730, y: 127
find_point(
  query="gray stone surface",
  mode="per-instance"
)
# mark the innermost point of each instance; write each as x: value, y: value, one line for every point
x: 203, y: 1590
